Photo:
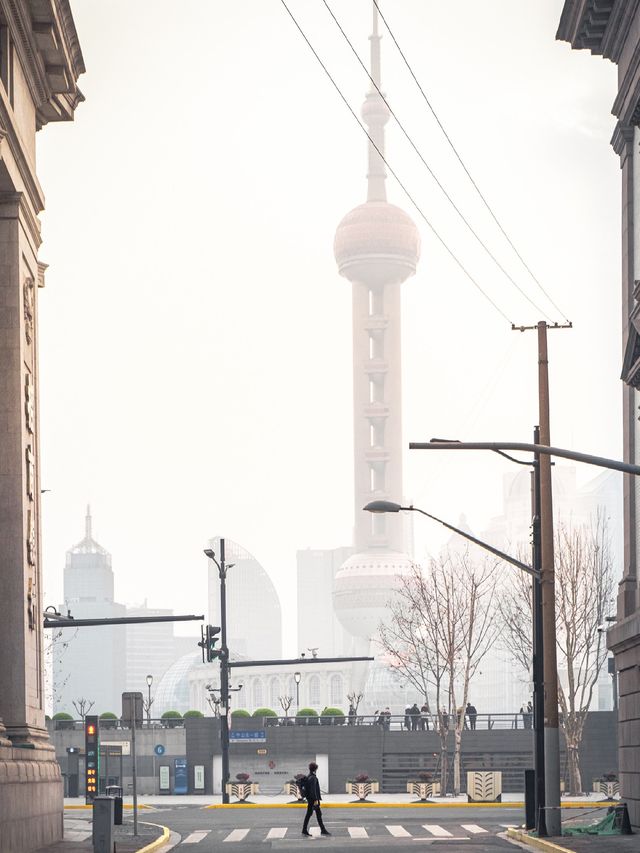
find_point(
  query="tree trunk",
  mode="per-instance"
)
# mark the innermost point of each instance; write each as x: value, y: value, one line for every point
x: 573, y: 764
x: 443, y: 769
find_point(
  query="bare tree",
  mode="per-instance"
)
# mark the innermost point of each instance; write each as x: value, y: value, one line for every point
x: 285, y: 703
x: 83, y: 706
x: 355, y: 699
x: 584, y: 589
x: 442, y: 624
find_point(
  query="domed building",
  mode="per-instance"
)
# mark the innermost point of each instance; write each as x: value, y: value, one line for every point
x: 376, y: 247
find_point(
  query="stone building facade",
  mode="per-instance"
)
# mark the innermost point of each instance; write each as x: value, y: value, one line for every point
x: 611, y: 29
x: 40, y: 62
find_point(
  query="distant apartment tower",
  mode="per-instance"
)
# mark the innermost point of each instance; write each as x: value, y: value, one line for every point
x: 254, y: 616
x: 150, y: 648
x: 318, y: 623
x: 89, y: 662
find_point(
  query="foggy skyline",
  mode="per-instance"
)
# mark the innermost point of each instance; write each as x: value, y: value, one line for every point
x: 195, y: 334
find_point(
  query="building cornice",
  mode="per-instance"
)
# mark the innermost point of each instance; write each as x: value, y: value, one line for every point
x: 600, y: 26
x: 47, y: 45
x: 26, y: 168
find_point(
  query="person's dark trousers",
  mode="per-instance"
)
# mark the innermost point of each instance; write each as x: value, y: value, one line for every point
x: 311, y: 807
x: 472, y: 720
x: 414, y: 723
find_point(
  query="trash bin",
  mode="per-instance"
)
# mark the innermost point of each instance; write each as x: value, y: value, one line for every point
x: 115, y: 791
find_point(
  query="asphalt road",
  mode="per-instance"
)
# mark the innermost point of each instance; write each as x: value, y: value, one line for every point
x: 380, y: 829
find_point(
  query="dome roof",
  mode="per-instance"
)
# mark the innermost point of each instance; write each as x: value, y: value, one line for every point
x: 363, y: 588
x: 377, y: 241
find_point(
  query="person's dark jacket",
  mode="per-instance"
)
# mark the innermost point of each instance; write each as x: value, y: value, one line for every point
x: 312, y: 788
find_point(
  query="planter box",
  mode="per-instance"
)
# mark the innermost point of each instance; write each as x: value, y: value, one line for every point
x: 611, y: 790
x: 423, y: 790
x: 242, y: 790
x: 292, y: 790
x: 361, y: 790
x: 484, y: 786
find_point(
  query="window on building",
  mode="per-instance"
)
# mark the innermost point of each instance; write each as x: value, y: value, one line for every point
x: 274, y: 693
x: 314, y: 692
x: 336, y: 691
x: 258, y: 694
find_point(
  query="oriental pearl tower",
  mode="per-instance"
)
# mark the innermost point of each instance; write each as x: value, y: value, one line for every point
x: 376, y: 247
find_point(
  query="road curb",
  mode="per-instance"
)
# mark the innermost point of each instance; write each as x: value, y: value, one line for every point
x: 159, y: 842
x: 366, y: 805
x: 124, y: 806
x: 537, y: 843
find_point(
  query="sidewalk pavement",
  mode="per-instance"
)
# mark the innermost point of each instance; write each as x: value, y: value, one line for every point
x: 77, y: 836
x: 149, y: 801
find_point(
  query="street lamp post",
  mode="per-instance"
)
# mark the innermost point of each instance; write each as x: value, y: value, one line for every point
x: 389, y: 506
x: 149, y: 699
x: 224, y: 667
x: 296, y: 677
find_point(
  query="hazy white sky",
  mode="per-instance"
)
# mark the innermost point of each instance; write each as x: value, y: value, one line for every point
x: 195, y: 335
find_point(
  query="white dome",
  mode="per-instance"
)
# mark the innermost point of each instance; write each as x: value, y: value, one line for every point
x: 363, y: 588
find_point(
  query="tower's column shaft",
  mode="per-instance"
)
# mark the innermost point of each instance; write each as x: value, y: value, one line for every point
x: 377, y: 416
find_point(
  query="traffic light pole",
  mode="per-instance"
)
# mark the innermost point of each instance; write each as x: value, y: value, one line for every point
x: 538, y: 656
x: 224, y: 675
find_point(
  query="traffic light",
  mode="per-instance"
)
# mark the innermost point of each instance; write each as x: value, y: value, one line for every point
x: 208, y: 642
x: 92, y: 756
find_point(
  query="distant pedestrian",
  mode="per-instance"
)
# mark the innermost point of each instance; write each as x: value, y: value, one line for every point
x: 424, y: 717
x: 352, y: 715
x: 385, y: 716
x: 313, y: 797
x: 472, y: 713
x: 407, y: 717
x: 528, y: 716
x: 444, y: 719
x: 415, y: 717
x: 376, y: 718
x: 523, y: 713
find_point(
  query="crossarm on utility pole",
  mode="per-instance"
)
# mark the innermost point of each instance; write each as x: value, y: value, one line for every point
x: 545, y: 450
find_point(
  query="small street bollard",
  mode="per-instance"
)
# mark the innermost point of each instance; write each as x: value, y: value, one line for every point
x: 103, y: 824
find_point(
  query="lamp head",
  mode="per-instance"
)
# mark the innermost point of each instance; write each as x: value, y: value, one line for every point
x: 210, y: 554
x: 297, y: 677
x: 149, y: 680
x: 382, y: 506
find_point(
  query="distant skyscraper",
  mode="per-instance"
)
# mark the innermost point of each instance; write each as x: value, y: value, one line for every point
x: 89, y: 663
x: 377, y: 247
x: 318, y: 624
x: 254, y: 616
x: 150, y: 648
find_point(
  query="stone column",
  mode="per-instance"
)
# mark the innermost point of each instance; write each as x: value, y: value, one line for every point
x: 30, y: 783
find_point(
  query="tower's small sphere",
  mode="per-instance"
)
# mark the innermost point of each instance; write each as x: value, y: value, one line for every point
x: 377, y: 242
x: 364, y: 587
x: 375, y: 111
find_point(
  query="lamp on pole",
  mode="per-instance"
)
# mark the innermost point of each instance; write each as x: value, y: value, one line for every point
x: 149, y: 699
x: 296, y: 677
x: 534, y: 570
x: 224, y: 666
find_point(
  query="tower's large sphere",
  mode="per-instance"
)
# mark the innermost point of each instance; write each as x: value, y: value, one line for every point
x: 377, y: 243
x: 364, y: 587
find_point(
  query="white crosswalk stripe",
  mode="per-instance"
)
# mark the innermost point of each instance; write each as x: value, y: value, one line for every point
x: 438, y: 831
x: 236, y: 835
x: 509, y: 825
x: 399, y: 832
x: 357, y: 832
x: 473, y: 828
x: 197, y: 836
x: 276, y: 832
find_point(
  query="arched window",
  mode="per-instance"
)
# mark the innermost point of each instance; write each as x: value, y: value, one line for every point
x: 274, y: 692
x: 336, y: 691
x: 258, y: 694
x: 314, y: 692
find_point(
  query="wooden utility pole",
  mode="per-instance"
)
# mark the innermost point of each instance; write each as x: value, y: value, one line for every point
x: 550, y: 664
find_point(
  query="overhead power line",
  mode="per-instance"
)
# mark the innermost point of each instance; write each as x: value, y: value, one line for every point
x: 431, y: 172
x: 466, y: 170
x: 403, y: 187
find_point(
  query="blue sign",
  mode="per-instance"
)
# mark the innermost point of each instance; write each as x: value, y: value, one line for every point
x: 158, y: 749
x: 180, y: 776
x: 257, y: 736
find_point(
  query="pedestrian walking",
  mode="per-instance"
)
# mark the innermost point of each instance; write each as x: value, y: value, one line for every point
x: 415, y: 717
x: 407, y: 718
x: 313, y: 797
x: 472, y: 713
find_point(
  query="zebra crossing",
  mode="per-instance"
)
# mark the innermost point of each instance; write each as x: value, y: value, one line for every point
x: 425, y: 831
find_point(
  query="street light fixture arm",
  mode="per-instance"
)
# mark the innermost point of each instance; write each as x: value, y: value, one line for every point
x: 389, y: 506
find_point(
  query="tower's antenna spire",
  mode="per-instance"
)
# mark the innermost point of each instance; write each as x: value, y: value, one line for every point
x: 87, y: 523
x: 376, y: 114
